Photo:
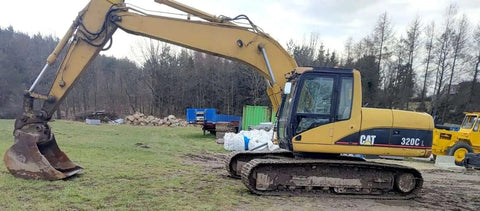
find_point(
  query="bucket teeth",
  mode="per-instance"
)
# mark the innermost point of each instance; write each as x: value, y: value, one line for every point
x: 36, y: 155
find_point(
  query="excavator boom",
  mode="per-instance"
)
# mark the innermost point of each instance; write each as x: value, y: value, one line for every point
x: 96, y: 24
x: 35, y: 153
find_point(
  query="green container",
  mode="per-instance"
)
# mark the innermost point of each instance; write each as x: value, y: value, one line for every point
x: 254, y: 115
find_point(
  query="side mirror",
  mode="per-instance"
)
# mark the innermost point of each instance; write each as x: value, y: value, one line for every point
x: 288, y: 88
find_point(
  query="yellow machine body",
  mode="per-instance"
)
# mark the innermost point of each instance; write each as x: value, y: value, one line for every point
x: 370, y: 131
x: 458, y: 143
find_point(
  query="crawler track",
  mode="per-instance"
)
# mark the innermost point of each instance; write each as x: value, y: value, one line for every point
x: 235, y: 160
x: 337, y: 178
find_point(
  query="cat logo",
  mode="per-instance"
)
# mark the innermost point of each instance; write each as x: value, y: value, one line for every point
x: 367, y: 140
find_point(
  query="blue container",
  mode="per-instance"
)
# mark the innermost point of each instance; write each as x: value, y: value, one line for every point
x: 200, y: 115
x: 227, y: 118
x: 208, y: 115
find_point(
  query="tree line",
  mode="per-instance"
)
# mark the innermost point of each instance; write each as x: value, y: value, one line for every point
x: 166, y: 82
x: 430, y: 67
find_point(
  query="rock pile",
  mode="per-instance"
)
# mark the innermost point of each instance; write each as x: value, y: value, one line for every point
x: 144, y: 120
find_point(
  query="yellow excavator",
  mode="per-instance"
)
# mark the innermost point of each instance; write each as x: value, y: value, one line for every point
x: 320, y: 114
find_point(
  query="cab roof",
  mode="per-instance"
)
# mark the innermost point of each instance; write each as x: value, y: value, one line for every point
x: 300, y: 70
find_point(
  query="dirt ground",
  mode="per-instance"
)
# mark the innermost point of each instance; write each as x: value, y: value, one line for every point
x: 442, y: 190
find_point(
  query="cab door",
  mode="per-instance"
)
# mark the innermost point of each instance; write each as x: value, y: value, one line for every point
x: 326, y: 109
x: 475, y: 136
x: 314, y: 110
x: 347, y: 114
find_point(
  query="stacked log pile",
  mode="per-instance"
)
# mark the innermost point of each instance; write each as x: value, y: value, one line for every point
x: 140, y: 119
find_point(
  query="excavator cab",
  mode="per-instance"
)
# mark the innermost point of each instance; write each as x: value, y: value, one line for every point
x: 314, y: 101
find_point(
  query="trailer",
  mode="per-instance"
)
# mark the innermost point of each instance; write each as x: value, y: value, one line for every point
x: 212, y: 122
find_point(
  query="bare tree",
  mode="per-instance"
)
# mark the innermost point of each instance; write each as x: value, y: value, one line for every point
x: 460, y: 38
x: 305, y: 53
x: 382, y: 37
x: 348, y: 55
x: 476, y: 39
x: 429, y: 47
x: 443, y: 53
x: 363, y: 58
x: 412, y: 44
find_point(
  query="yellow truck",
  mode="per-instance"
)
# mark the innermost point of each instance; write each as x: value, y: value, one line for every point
x: 458, y: 143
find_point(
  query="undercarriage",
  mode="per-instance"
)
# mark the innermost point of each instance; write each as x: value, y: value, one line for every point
x: 280, y: 173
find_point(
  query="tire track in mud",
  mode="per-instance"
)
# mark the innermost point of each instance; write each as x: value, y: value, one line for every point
x: 450, y: 190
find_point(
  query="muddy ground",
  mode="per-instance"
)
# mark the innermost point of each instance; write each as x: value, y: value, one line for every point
x: 442, y: 190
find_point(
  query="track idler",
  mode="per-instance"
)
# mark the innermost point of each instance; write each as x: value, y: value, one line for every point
x: 36, y: 155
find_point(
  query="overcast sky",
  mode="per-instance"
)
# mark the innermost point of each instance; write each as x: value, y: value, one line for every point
x: 333, y: 20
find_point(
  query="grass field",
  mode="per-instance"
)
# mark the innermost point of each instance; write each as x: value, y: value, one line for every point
x: 183, y: 170
x: 121, y: 175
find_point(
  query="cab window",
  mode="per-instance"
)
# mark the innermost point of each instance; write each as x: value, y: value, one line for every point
x: 316, y: 96
x: 345, y: 99
x: 475, y: 128
x: 314, y: 106
x: 468, y: 122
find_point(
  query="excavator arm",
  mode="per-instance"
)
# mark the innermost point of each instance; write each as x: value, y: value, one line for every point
x: 35, y: 153
x: 218, y: 36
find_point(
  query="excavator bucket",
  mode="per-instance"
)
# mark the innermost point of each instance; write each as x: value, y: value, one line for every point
x: 35, y: 155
